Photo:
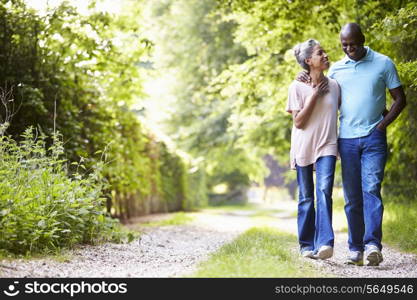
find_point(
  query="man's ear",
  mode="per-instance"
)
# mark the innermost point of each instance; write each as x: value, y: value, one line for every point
x: 307, y: 61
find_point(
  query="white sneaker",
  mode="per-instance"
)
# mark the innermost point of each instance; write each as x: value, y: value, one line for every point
x: 324, y: 252
x: 373, y: 255
x: 355, y: 258
x: 307, y: 253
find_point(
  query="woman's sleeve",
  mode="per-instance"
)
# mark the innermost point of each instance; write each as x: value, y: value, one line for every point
x: 295, y: 101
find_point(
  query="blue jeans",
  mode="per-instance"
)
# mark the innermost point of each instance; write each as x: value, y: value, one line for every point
x: 363, y: 163
x: 315, y: 226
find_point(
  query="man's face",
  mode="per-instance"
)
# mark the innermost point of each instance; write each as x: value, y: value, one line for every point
x: 352, y: 45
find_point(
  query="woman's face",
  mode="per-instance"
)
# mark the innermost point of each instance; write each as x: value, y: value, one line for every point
x: 319, y: 59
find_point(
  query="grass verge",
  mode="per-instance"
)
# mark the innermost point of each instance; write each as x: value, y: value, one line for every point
x: 400, y: 226
x: 249, y: 209
x: 259, y: 252
x: 179, y: 218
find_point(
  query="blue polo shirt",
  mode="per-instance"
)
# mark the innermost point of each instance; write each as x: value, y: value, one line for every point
x: 363, y: 86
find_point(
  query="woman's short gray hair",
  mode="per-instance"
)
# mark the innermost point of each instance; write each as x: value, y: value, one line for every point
x: 302, y: 51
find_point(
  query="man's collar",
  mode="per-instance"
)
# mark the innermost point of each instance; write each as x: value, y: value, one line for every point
x: 368, y: 56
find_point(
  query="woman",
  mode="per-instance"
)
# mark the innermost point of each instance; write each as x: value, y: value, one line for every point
x: 314, y: 147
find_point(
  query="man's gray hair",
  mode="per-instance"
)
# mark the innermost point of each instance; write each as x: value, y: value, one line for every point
x: 304, y: 50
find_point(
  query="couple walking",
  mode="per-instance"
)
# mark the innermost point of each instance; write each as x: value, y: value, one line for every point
x: 356, y: 86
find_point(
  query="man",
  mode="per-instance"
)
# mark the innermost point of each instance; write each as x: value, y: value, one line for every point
x: 363, y: 76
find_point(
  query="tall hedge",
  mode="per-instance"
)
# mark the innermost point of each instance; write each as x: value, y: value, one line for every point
x: 80, y: 75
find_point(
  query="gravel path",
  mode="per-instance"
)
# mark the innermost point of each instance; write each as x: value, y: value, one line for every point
x: 174, y: 251
x: 160, y: 252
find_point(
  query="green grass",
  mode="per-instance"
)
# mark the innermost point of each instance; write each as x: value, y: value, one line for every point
x: 255, y: 210
x: 259, y: 252
x: 339, y: 215
x: 179, y: 218
x: 61, y: 256
x: 58, y: 255
x: 228, y: 208
x: 267, y: 213
x: 400, y: 226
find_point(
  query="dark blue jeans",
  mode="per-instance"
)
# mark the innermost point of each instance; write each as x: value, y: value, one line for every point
x: 315, y: 226
x: 363, y: 164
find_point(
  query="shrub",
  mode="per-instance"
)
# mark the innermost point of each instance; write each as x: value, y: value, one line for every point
x: 42, y: 207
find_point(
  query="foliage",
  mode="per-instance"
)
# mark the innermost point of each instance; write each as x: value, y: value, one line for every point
x: 194, y: 43
x: 233, y: 64
x: 400, y: 228
x: 82, y: 74
x: 397, y: 36
x: 74, y: 62
x: 269, y: 29
x: 196, y: 184
x: 42, y: 207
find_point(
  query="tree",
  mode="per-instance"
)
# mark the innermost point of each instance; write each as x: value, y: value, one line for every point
x: 193, y: 42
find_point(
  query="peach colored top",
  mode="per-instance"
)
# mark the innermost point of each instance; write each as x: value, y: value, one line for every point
x: 319, y: 136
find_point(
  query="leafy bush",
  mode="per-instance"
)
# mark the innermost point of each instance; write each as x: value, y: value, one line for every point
x: 42, y: 207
